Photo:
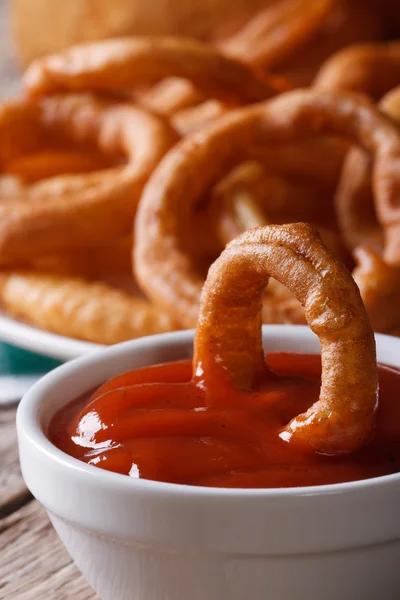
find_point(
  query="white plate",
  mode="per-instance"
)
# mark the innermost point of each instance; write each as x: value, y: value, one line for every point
x: 42, y: 342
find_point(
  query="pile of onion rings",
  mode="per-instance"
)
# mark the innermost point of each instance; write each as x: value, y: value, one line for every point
x: 127, y: 165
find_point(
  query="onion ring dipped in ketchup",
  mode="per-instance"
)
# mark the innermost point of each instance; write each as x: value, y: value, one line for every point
x: 232, y: 419
x: 228, y: 339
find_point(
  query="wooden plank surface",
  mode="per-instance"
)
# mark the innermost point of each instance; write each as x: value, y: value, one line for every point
x: 13, y: 492
x: 33, y: 563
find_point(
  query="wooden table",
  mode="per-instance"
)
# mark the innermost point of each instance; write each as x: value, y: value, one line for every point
x: 33, y: 563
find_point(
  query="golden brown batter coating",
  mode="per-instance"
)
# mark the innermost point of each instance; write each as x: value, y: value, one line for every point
x: 119, y: 65
x: 71, y: 210
x: 229, y: 342
x: 194, y: 165
x: 372, y: 69
x: 75, y: 308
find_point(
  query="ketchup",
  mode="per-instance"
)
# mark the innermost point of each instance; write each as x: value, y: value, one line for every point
x: 154, y: 423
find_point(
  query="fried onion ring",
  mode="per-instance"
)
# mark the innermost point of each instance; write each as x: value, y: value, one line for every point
x: 276, y: 32
x: 197, y: 163
x: 349, y: 22
x: 390, y: 104
x: 228, y: 341
x: 379, y: 284
x: 298, y: 33
x: 354, y: 201
x: 273, y: 34
x: 372, y: 69
x: 72, y: 307
x: 73, y: 210
x: 121, y: 64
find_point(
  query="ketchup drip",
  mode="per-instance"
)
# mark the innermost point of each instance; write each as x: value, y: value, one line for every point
x: 156, y: 423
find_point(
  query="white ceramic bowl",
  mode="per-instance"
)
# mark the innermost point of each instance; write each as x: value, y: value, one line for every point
x: 145, y: 540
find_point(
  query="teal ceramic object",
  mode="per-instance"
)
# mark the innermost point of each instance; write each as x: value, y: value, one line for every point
x: 19, y: 369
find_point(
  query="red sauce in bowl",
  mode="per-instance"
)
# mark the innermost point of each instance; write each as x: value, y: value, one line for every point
x: 135, y: 426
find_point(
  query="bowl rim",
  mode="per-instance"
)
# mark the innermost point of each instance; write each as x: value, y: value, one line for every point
x: 29, y: 427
